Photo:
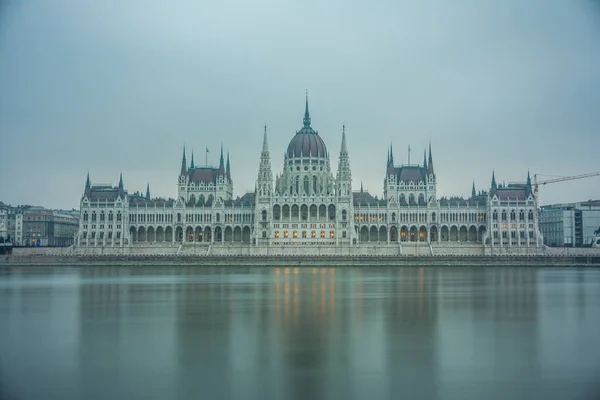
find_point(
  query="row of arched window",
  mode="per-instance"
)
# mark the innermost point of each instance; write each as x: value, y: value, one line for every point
x: 303, y: 212
x: 513, y: 215
x: 102, y: 217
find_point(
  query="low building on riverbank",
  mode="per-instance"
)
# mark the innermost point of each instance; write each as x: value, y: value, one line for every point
x: 570, y: 225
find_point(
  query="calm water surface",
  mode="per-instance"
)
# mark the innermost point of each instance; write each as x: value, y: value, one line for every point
x: 305, y: 333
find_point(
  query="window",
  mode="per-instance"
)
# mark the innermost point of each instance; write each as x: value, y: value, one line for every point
x: 322, y: 234
x: 264, y: 234
x: 276, y: 234
x: 285, y: 234
x: 304, y: 234
x: 344, y: 234
x: 313, y: 234
x: 264, y: 215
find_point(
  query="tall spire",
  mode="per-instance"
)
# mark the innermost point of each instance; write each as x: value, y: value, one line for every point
x: 473, y: 192
x: 390, y: 164
x: 528, y: 179
x: 265, y: 144
x: 344, y: 148
x: 306, y: 114
x: 121, y: 181
x: 430, y: 170
x: 344, y: 174
x: 361, y: 187
x: 87, y: 181
x: 425, y: 159
x: 192, y: 160
x: 221, y: 162
x: 183, y: 162
x: 494, y: 185
x: 148, y: 191
x: 228, y: 167
x: 264, y: 183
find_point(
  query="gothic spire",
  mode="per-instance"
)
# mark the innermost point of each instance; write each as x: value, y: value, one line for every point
x: 221, y: 162
x: 344, y: 148
x: 473, y: 193
x: 494, y: 185
x: 87, y: 181
x: 391, y: 155
x: 228, y: 167
x: 425, y: 159
x: 192, y: 160
x: 361, y: 187
x: 148, y: 191
x: 265, y: 144
x: 121, y: 181
x: 306, y: 114
x: 183, y: 162
x: 430, y: 170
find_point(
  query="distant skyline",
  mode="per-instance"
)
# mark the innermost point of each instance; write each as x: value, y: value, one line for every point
x: 110, y: 87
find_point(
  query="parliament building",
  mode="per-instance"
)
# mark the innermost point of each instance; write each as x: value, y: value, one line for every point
x: 307, y: 205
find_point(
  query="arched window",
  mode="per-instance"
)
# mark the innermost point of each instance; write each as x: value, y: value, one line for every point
x: 297, y: 184
x: 285, y: 211
x: 530, y: 216
x: 93, y: 216
x: 315, y: 184
x: 421, y: 198
x: 119, y: 216
x: 276, y: 212
x: 331, y: 234
x: 432, y: 217
x: 411, y: 198
x: 331, y: 212
x: 402, y: 198
x: 306, y: 183
x: 304, y: 234
x: 264, y: 215
x: 313, y: 234
x: 521, y: 215
x: 264, y: 234
x: 110, y: 216
x: 304, y: 212
x: 295, y: 211
x: 344, y: 215
x: 85, y: 216
x: 276, y: 234
x: 512, y: 215
x: 503, y: 215
x: 495, y: 215
x: 322, y: 234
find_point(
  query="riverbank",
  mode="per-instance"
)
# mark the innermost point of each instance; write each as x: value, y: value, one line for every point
x: 298, y: 261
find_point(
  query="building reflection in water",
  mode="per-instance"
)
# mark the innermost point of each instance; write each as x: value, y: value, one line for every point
x: 289, y: 332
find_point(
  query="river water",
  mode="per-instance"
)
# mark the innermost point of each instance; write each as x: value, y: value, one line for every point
x: 299, y: 333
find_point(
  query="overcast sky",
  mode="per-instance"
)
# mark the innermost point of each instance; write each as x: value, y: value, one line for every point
x: 111, y: 86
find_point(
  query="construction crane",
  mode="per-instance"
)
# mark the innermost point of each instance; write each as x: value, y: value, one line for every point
x: 537, y: 183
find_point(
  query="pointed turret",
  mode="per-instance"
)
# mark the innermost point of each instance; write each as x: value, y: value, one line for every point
x: 306, y: 114
x: 228, y: 167
x: 192, y: 160
x: 88, y: 184
x: 121, y: 181
x: 529, y: 189
x: 390, y: 164
x: 148, y: 191
x: 344, y: 174
x: 473, y: 192
x: 183, y: 163
x: 361, y: 186
x: 221, y: 162
x: 264, y: 183
x: 494, y: 185
x: 430, y: 170
x: 425, y: 159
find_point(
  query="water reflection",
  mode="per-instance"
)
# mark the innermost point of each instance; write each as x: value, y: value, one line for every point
x: 289, y: 332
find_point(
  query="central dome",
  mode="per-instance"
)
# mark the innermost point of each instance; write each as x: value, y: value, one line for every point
x: 307, y: 142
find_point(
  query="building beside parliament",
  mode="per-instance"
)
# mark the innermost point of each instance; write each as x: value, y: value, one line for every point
x: 307, y: 205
